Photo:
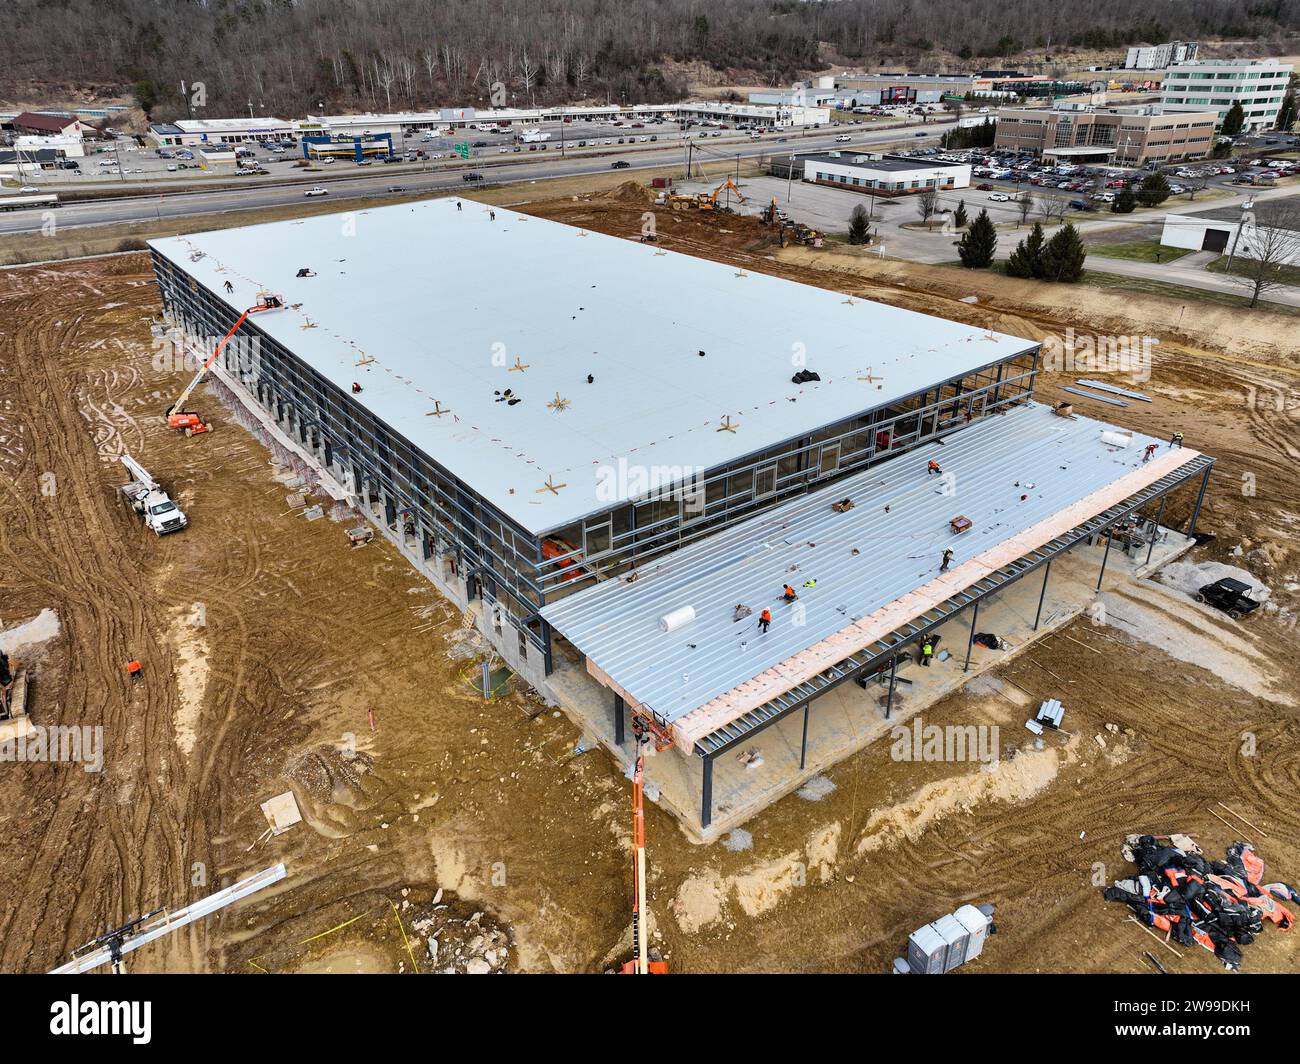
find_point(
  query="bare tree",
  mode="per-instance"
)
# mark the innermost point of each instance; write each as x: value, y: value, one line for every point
x: 385, y: 76
x: 1196, y: 183
x: 927, y: 202
x: 1266, y: 248
x: 1053, y: 208
x: 1025, y: 205
x: 527, y: 75
x: 429, y: 57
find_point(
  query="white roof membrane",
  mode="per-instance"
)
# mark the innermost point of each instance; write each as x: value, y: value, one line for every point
x: 451, y: 307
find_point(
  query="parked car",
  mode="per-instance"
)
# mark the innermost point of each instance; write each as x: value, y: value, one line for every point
x: 843, y: 138
x: 999, y: 197
x: 316, y: 190
x: 1080, y: 205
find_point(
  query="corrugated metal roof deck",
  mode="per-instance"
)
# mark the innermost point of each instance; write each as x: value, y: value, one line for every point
x: 861, y: 560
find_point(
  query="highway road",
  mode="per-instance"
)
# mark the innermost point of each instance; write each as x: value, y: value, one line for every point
x: 368, y: 184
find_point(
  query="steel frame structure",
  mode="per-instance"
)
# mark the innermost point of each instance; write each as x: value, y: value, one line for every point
x: 465, y: 537
x: 884, y: 652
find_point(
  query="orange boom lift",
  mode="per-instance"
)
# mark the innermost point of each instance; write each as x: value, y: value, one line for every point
x: 640, y: 964
x: 187, y: 420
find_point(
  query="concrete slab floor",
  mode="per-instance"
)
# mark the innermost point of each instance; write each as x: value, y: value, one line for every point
x: 848, y: 718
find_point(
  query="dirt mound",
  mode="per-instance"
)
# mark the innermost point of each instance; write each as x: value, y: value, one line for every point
x: 629, y: 193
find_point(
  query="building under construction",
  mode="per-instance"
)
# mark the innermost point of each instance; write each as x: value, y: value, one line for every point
x: 616, y: 457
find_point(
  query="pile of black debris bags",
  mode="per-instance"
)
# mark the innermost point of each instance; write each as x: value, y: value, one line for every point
x: 1220, y: 905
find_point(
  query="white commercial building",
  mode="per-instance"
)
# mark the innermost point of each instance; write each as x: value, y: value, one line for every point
x: 72, y: 147
x: 1160, y: 56
x: 1216, y: 84
x: 188, y: 133
x: 885, y: 175
x: 1271, y: 231
x: 782, y: 116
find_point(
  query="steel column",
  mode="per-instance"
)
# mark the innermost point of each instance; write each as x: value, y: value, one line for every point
x: 1156, y: 531
x: 1047, y: 571
x: 619, y: 719
x: 893, y: 674
x: 970, y: 643
x: 803, y: 744
x: 548, y: 656
x: 706, y: 794
x: 1200, y: 498
x: 1101, y: 575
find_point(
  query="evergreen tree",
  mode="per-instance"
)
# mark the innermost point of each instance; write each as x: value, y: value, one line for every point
x: 959, y: 218
x: 1027, y: 259
x: 1063, y: 255
x: 1153, y: 191
x: 859, y: 229
x: 978, y: 243
x: 1125, y: 202
x: 1233, y: 120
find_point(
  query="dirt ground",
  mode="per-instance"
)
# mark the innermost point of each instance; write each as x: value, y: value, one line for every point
x: 278, y: 658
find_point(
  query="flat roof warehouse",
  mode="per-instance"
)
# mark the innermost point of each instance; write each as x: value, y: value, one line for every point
x: 436, y: 309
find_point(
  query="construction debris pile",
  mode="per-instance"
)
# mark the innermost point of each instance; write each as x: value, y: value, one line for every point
x: 1220, y: 905
x: 459, y: 945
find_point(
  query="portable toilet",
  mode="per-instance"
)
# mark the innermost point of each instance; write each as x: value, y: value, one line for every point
x: 977, y: 927
x: 927, y: 951
x: 955, y: 934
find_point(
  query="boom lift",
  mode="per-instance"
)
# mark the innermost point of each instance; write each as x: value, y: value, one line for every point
x: 640, y: 964
x: 187, y: 420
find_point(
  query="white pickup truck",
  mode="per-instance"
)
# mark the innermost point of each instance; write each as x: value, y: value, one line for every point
x: 147, y: 498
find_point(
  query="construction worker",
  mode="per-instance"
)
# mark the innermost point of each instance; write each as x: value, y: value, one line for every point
x: 1176, y: 440
x: 230, y: 288
x: 947, y: 557
x: 788, y: 594
x: 764, y: 620
x: 458, y: 205
x: 492, y: 215
x: 1151, y: 449
x: 134, y: 669
x: 932, y: 467
x: 927, y: 650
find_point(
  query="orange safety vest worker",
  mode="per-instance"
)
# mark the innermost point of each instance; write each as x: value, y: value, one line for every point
x: 789, y: 594
x: 133, y: 669
x: 932, y: 467
x: 765, y: 619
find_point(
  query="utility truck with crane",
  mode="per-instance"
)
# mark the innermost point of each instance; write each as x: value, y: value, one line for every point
x: 156, y: 508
